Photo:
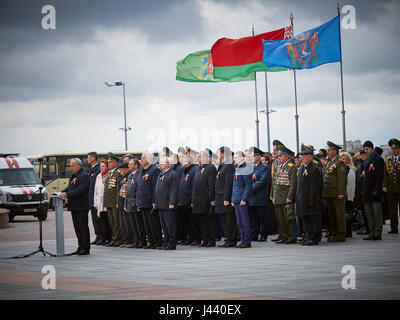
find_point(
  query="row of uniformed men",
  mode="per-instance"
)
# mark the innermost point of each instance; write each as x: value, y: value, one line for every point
x: 182, y: 199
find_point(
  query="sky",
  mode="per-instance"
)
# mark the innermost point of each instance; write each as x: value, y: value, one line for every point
x: 53, y: 97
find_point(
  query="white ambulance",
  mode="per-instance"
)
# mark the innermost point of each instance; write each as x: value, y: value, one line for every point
x: 20, y: 189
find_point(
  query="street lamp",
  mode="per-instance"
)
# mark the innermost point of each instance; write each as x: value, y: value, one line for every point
x: 125, y: 128
x: 268, y: 129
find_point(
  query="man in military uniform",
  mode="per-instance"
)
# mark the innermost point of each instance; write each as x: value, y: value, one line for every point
x: 261, y: 179
x: 274, y: 169
x: 125, y: 223
x: 283, y: 194
x: 110, y: 199
x: 334, y: 192
x: 391, y: 184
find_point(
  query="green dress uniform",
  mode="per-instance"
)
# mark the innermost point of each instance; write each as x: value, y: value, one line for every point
x: 110, y: 199
x: 335, y: 185
x: 284, y: 187
x: 391, y: 182
x: 276, y: 144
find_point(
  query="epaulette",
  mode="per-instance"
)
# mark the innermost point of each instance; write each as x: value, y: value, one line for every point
x: 290, y: 164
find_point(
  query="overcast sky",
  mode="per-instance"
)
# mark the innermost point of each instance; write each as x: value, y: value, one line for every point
x: 53, y: 97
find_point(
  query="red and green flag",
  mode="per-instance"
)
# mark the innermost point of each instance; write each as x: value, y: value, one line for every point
x: 239, y: 57
x: 198, y: 67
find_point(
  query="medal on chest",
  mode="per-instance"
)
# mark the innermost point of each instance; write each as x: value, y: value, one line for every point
x: 187, y: 177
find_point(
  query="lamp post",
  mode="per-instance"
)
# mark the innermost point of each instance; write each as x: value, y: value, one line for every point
x: 267, y: 112
x: 125, y: 128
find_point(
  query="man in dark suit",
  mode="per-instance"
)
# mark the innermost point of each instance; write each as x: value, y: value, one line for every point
x: 166, y: 200
x: 371, y: 191
x: 192, y: 235
x: 203, y: 199
x: 135, y: 217
x: 77, y: 194
x: 145, y: 197
x: 308, y: 195
x: 223, y: 196
x: 93, y: 173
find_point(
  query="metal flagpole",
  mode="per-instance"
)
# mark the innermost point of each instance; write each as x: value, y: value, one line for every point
x: 267, y: 112
x: 295, y: 94
x: 341, y: 77
x: 257, y: 121
x: 125, y: 128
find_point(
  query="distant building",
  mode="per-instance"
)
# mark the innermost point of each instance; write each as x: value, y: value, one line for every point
x: 353, y: 146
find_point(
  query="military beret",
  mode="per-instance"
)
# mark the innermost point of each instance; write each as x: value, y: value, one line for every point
x: 394, y: 143
x: 112, y: 157
x: 256, y: 151
x: 123, y: 165
x: 332, y: 145
x: 368, y: 144
x: 306, y: 150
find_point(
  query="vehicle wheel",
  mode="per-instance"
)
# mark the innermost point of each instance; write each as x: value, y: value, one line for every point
x: 11, y: 217
x: 43, y: 216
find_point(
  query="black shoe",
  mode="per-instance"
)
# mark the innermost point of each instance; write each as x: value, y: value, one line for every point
x: 393, y: 231
x: 275, y: 240
x: 147, y: 247
x: 169, y: 248
x: 332, y: 239
x: 138, y: 246
x: 369, y: 238
x: 377, y: 238
x: 117, y: 244
x: 203, y: 244
x: 76, y: 252
x: 302, y: 242
x: 100, y: 243
x: 280, y: 241
x: 290, y: 241
x: 110, y: 244
x: 95, y: 241
x: 210, y: 244
x: 243, y: 245
x: 263, y: 239
x: 186, y: 243
x: 83, y: 253
x: 310, y: 243
x: 362, y: 232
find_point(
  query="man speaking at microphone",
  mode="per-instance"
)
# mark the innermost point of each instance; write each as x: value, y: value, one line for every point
x: 77, y: 194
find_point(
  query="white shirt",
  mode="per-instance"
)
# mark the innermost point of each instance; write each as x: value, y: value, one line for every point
x: 351, y: 185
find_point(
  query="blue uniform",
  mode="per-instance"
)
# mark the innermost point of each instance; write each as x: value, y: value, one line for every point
x: 242, y: 188
x: 258, y: 201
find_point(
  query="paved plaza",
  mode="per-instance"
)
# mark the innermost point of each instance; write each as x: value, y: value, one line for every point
x: 266, y: 271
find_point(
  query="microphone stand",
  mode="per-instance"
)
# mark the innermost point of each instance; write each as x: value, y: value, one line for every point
x: 40, y: 249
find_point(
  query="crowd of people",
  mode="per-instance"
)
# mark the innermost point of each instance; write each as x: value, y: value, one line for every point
x: 198, y: 198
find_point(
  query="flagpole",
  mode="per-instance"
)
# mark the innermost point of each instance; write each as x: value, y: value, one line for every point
x: 267, y: 112
x: 341, y: 77
x: 257, y: 121
x: 295, y: 94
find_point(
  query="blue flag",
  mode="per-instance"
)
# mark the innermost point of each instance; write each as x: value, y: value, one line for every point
x: 307, y: 50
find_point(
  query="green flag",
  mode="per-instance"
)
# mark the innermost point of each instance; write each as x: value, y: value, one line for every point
x: 198, y: 67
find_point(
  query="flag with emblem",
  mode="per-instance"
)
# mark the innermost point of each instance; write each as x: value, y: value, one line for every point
x: 198, y: 67
x: 239, y: 57
x: 307, y: 50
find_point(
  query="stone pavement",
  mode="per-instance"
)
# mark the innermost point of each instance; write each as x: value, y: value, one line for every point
x: 266, y: 271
